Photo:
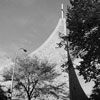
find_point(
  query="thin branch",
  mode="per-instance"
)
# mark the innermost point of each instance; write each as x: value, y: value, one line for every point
x: 24, y: 88
x: 33, y: 87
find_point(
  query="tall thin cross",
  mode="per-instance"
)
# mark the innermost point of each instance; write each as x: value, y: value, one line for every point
x: 62, y: 10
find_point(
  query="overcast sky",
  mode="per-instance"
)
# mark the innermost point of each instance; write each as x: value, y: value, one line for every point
x: 26, y: 24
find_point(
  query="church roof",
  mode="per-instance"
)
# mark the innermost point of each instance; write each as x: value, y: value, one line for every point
x: 49, y: 48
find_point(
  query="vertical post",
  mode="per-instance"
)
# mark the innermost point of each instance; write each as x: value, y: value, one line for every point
x: 12, y: 79
x: 13, y: 71
x: 62, y: 10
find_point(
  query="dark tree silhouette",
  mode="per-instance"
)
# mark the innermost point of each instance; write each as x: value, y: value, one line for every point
x: 83, y: 22
x: 2, y: 94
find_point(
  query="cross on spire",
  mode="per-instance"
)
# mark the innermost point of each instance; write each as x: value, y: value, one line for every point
x: 62, y: 10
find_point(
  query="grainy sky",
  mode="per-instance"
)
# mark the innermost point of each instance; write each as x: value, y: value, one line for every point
x: 27, y: 24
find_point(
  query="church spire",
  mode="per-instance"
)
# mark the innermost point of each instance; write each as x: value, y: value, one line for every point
x: 62, y: 10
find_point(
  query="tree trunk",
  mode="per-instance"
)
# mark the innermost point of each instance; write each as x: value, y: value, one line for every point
x: 29, y: 97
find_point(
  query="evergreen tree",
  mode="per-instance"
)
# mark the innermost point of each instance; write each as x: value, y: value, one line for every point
x: 83, y: 22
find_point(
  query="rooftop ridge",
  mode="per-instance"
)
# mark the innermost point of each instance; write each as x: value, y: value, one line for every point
x: 61, y: 22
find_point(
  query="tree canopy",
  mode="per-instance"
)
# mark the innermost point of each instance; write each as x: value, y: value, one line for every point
x: 34, y: 78
x: 83, y: 22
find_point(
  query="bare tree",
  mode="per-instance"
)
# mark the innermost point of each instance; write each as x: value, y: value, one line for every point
x: 33, y: 78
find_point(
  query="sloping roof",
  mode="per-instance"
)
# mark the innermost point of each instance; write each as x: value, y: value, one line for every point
x: 49, y: 49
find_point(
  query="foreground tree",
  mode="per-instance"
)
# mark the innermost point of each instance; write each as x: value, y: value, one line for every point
x: 33, y: 78
x: 83, y: 22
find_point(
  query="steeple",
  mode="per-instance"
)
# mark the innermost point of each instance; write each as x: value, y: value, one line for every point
x: 62, y: 10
